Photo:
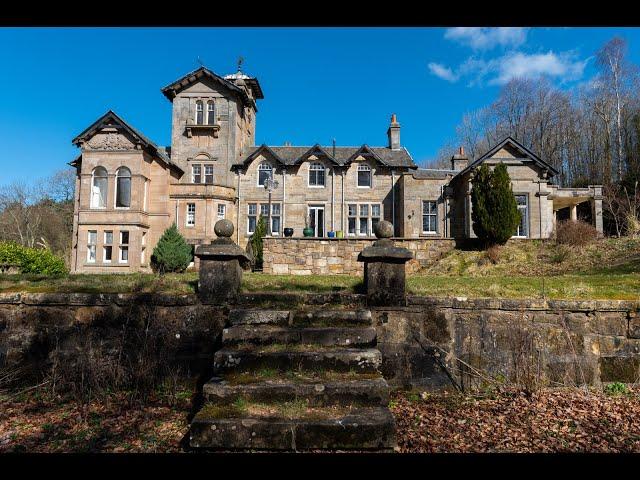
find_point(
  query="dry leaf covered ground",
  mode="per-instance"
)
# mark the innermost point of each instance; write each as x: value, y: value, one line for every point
x: 561, y: 420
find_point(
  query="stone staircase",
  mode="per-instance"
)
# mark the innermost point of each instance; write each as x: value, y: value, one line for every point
x: 296, y: 381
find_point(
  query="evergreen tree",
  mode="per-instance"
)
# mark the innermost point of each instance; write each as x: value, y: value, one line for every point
x: 172, y: 253
x: 256, y: 242
x: 495, y: 212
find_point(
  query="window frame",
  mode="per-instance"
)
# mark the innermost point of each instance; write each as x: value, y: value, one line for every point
x: 208, y: 166
x: 363, y: 167
x: 124, y: 247
x: 435, y: 214
x: 211, y: 111
x: 316, y: 167
x: 253, y: 215
x: 193, y: 173
x: 224, y: 211
x: 93, y: 244
x: 106, y: 185
x: 105, y: 245
x: 117, y: 189
x: 358, y: 217
x: 190, y: 215
x: 262, y: 168
x: 527, y: 225
x: 199, y: 110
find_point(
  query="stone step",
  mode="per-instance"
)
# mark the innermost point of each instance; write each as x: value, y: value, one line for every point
x: 332, y: 317
x: 366, y: 360
x: 257, y: 317
x: 265, y: 334
x: 358, y: 429
x: 364, y: 392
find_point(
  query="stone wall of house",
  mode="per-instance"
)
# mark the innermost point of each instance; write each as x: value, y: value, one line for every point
x: 433, y: 343
x: 338, y: 256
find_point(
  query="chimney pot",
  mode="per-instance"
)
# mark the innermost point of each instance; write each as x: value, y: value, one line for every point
x: 394, y: 133
x: 461, y: 151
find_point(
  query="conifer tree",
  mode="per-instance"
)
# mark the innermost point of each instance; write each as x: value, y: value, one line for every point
x: 172, y: 253
x: 495, y: 212
x: 256, y: 242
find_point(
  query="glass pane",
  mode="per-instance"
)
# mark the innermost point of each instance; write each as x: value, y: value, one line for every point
x: 275, y: 208
x: 364, y: 179
x: 275, y: 224
x: 352, y: 225
x: 91, y: 253
x: 252, y: 224
x: 107, y: 253
x: 264, y: 209
x: 124, y: 237
x: 364, y: 210
x: 252, y: 209
x: 108, y: 237
x: 375, y: 210
x: 99, y: 193
x: 352, y: 210
x: 124, y: 254
x: 123, y: 199
x: 320, y: 230
x: 320, y: 177
x: 93, y: 237
x: 363, y: 226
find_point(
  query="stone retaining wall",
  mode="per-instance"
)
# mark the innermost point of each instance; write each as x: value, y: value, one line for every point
x: 431, y: 342
x: 338, y: 256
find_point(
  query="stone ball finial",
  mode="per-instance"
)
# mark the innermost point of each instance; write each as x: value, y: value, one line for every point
x: 223, y: 228
x: 383, y: 229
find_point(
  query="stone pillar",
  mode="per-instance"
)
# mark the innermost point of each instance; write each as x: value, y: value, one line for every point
x: 384, y: 268
x: 221, y: 262
x: 596, y: 208
x: 574, y: 212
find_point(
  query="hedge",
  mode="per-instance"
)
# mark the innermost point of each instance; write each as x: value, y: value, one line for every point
x: 32, y: 260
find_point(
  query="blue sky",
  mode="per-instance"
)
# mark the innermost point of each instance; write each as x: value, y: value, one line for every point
x: 319, y: 83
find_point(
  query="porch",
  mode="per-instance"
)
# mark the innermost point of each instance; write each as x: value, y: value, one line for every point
x: 578, y: 204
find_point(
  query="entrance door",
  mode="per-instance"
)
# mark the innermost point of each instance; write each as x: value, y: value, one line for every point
x: 316, y: 219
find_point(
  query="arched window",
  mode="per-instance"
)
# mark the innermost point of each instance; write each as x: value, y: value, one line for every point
x: 199, y: 113
x: 364, y: 175
x: 316, y: 175
x: 123, y: 187
x: 211, y: 118
x: 99, y: 188
x: 265, y: 170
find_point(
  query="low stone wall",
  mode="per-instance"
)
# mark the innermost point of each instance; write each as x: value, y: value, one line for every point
x: 432, y: 342
x: 339, y: 256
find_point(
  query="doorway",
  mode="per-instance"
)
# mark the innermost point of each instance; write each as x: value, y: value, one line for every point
x: 316, y: 220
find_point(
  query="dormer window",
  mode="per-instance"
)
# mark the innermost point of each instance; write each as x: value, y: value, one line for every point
x: 316, y: 175
x: 265, y: 170
x: 364, y: 176
x: 199, y: 113
x: 211, y: 118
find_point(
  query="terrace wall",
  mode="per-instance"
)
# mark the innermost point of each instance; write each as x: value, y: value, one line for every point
x: 338, y: 256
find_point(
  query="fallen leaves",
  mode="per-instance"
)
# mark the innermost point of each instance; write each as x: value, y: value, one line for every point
x: 552, y: 420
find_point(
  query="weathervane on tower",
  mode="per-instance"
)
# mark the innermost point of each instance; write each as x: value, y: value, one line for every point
x: 240, y: 62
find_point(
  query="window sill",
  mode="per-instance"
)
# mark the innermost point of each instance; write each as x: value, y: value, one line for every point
x: 214, y: 128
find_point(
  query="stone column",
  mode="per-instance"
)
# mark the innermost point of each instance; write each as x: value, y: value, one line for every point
x: 384, y: 268
x: 221, y: 262
x: 596, y: 208
x: 574, y: 212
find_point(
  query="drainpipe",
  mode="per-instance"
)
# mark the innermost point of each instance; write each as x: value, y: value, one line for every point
x: 238, y: 210
x: 393, y: 201
x: 342, y: 205
x: 284, y: 199
x: 539, y: 209
x: 333, y: 200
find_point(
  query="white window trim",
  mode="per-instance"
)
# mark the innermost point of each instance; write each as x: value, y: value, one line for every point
x: 258, y: 170
x: 105, y: 245
x: 94, y: 245
x: 370, y: 177
x: 193, y: 175
x: 324, y: 185
x: 186, y: 217
x: 526, y: 220
x: 423, y: 215
x: 204, y: 173
x: 212, y: 103
x: 121, y: 245
x: 369, y: 218
x: 257, y: 215
x: 195, y: 119
x: 224, y: 211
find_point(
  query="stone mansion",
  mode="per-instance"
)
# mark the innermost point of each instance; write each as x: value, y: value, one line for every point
x: 129, y: 190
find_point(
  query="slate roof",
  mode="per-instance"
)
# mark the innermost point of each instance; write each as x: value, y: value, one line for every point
x: 162, y: 152
x: 433, y: 173
x: 174, y: 87
x: 527, y: 154
x: 292, y: 155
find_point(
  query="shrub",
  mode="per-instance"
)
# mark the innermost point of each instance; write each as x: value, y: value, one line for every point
x: 256, y: 242
x: 32, y: 260
x: 575, y: 233
x: 495, y: 212
x: 172, y: 253
x: 560, y: 254
x: 616, y: 388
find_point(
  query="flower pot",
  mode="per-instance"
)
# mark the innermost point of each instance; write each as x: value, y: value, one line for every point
x: 331, y: 234
x: 288, y: 232
x: 339, y: 234
x: 308, y: 232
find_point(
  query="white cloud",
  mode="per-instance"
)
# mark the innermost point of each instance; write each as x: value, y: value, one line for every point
x: 563, y: 66
x: 485, y: 38
x: 443, y: 72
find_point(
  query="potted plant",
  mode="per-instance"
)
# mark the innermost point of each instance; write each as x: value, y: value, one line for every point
x: 331, y: 234
x: 308, y: 231
x: 339, y: 234
x: 288, y: 232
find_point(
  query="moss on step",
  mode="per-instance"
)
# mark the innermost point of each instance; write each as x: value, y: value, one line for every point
x: 296, y: 409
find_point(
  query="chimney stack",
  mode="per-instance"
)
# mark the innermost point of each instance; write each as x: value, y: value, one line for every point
x: 459, y: 161
x: 394, y: 133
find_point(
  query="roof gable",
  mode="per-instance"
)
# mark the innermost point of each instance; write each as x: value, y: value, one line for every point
x: 113, y: 120
x: 365, y: 151
x: 316, y: 150
x: 509, y: 148
x: 171, y: 90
